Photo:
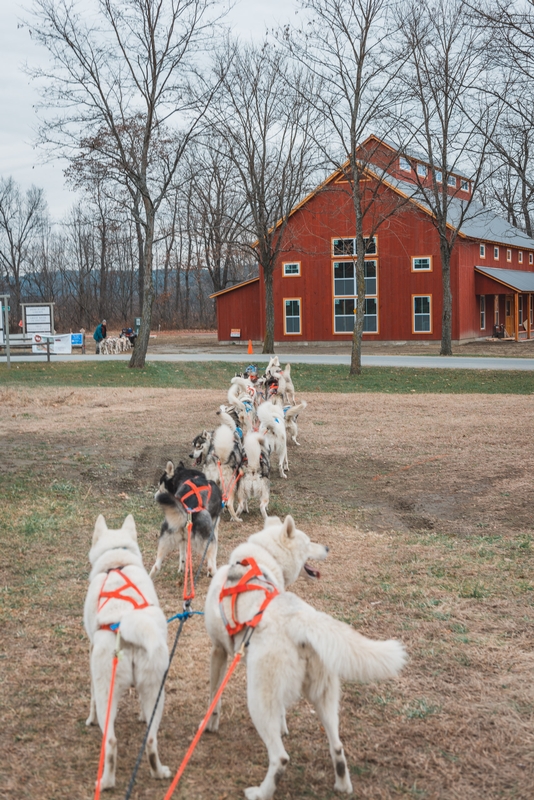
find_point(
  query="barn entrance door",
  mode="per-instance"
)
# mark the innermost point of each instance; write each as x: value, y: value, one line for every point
x: 509, y: 315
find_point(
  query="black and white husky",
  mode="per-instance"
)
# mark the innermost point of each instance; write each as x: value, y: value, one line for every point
x: 189, y: 489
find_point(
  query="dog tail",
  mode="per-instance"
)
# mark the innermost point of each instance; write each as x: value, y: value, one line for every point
x: 223, y: 443
x: 294, y: 410
x: 267, y: 413
x: 287, y: 372
x: 226, y: 419
x: 146, y: 628
x: 252, y: 445
x: 342, y: 650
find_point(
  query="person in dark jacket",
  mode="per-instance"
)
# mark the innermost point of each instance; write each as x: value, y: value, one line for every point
x: 99, y: 335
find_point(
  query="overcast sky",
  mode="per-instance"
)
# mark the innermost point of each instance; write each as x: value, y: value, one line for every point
x: 18, y: 121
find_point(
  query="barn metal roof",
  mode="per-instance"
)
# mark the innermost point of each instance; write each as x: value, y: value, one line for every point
x: 514, y: 278
x: 482, y: 223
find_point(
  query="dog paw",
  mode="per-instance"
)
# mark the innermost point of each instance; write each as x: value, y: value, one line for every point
x: 343, y: 785
x: 91, y: 719
x: 254, y: 793
x: 163, y: 773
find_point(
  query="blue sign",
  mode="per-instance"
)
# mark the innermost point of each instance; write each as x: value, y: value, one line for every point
x: 76, y: 339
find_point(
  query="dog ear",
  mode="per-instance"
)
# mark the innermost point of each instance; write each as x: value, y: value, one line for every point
x: 129, y: 527
x: 271, y: 521
x: 289, y: 527
x: 169, y: 469
x: 100, y: 528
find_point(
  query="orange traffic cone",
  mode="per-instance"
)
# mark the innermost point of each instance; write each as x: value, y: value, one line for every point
x: 250, y: 350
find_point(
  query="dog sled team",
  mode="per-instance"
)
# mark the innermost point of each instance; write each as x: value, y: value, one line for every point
x: 292, y: 650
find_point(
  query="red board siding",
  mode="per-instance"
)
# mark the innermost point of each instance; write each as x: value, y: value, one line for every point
x: 240, y: 308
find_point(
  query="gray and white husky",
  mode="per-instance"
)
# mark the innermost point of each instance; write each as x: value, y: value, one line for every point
x: 121, y: 592
x: 294, y: 650
x: 254, y: 481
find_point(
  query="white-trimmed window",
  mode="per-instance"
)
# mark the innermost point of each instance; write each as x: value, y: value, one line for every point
x: 482, y: 312
x: 291, y: 268
x: 496, y: 253
x: 439, y: 176
x: 404, y: 164
x: 421, y: 263
x: 421, y: 170
x: 422, y: 313
x: 345, y: 296
x: 495, y: 309
x: 482, y: 251
x: 348, y: 247
x: 451, y: 181
x: 531, y: 258
x: 519, y: 256
x: 508, y: 255
x: 464, y: 186
x: 292, y: 316
x: 520, y: 309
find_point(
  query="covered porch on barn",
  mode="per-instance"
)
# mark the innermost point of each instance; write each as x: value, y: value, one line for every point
x: 513, y: 292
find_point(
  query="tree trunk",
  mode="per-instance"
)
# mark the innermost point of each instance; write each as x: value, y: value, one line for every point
x: 268, y: 342
x: 446, y: 320
x: 141, y: 346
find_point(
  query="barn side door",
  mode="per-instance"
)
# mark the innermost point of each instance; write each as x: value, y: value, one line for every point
x: 509, y: 315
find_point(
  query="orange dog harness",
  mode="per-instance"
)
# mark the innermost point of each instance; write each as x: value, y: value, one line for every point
x: 244, y: 585
x: 138, y: 600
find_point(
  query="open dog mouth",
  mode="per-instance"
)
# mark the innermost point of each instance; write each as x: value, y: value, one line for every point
x: 311, y: 571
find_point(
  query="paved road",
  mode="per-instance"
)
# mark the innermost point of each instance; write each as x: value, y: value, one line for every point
x: 429, y: 362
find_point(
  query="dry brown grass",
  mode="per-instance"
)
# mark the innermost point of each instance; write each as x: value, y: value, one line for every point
x: 425, y: 503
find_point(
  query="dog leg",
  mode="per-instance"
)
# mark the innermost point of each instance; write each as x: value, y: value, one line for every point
x: 217, y: 669
x: 327, y: 707
x: 91, y: 719
x: 166, y: 545
x: 147, y: 697
x: 230, y: 507
x: 211, y: 555
x: 269, y: 723
x: 264, y: 502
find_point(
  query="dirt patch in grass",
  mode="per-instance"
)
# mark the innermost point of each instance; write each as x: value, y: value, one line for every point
x: 425, y: 502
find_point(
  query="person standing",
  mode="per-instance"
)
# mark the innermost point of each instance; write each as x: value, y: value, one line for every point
x: 100, y: 334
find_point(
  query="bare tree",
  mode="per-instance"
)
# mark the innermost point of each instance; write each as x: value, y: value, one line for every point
x: 129, y: 97
x: 265, y: 124
x: 22, y: 217
x: 447, y: 119
x: 346, y: 45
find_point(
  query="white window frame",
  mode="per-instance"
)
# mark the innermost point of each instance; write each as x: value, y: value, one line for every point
x: 428, y: 259
x: 352, y: 298
x: 422, y: 170
x: 508, y: 255
x: 352, y: 240
x: 495, y: 253
x: 451, y: 181
x: 482, y: 252
x: 531, y: 258
x: 482, y: 312
x: 464, y: 185
x: 429, y: 314
x: 439, y: 176
x: 404, y: 164
x: 290, y: 264
x: 519, y: 256
x: 293, y: 316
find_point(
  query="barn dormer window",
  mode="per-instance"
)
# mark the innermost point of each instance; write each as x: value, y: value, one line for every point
x: 451, y: 180
x: 404, y: 164
x: 421, y: 170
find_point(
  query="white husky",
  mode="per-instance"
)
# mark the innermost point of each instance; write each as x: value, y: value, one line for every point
x: 120, y: 591
x: 294, y: 649
x: 273, y: 426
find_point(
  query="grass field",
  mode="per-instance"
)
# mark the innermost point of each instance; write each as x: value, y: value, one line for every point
x: 307, y: 377
x: 425, y: 500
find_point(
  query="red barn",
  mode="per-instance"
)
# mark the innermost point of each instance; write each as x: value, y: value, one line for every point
x: 314, y: 286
